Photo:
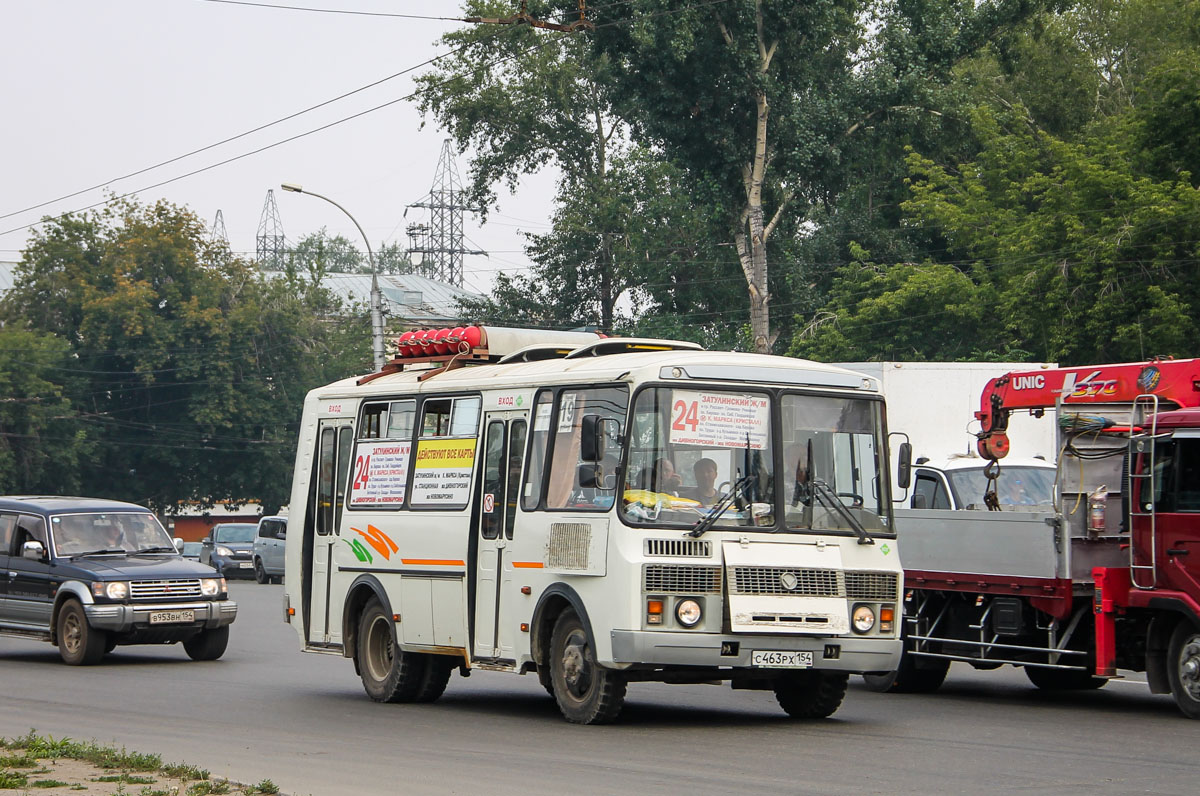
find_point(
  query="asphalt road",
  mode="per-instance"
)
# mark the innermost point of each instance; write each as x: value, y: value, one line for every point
x: 266, y: 710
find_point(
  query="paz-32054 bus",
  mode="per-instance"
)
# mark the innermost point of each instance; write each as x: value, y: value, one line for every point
x: 599, y: 511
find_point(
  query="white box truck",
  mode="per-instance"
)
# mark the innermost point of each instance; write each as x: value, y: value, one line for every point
x: 934, y: 404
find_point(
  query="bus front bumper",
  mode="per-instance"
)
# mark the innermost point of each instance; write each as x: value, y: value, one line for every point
x: 837, y: 653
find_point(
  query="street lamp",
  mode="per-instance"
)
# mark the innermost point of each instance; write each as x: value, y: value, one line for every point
x: 376, y: 296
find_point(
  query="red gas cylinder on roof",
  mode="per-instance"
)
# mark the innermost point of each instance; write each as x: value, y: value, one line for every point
x: 439, y: 341
x: 402, y: 343
x: 472, y: 336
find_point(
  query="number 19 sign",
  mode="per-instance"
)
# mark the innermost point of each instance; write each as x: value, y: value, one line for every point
x: 719, y: 420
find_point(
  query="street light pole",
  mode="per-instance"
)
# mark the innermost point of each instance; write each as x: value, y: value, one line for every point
x: 376, y: 295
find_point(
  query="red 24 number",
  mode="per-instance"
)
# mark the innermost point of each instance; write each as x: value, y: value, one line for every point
x: 688, y: 416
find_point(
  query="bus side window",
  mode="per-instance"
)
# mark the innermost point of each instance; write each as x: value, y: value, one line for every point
x: 532, y: 494
x: 564, y: 490
x: 325, y: 478
x: 345, y: 445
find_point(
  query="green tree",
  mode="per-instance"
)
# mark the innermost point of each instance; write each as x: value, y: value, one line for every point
x: 191, y: 369
x: 773, y: 108
x: 1092, y: 260
x: 41, y: 442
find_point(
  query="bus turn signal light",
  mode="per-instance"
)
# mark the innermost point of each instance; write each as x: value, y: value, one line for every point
x: 654, y: 612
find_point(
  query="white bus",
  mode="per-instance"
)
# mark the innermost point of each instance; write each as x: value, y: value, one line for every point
x: 599, y: 511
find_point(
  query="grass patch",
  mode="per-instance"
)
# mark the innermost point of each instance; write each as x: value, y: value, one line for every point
x: 12, y: 779
x: 117, y: 766
x: 128, y: 779
x: 183, y: 771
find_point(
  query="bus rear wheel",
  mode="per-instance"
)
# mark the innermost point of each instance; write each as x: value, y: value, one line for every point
x: 586, y: 692
x: 811, y: 695
x: 389, y: 674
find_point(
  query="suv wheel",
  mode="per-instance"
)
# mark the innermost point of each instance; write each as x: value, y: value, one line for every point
x: 79, y: 643
x: 260, y: 574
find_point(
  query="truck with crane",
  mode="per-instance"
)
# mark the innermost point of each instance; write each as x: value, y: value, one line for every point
x: 1106, y: 579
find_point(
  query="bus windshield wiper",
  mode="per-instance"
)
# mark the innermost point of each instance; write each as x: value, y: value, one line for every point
x: 105, y: 551
x: 829, y: 499
x: 707, y: 521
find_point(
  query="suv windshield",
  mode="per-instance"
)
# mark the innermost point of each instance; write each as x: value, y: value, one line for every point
x: 234, y: 533
x: 74, y: 534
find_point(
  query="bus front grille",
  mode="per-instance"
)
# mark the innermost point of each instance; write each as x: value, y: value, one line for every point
x: 667, y: 579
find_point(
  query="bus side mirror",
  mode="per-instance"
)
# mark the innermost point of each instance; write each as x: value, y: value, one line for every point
x: 904, y: 466
x: 589, y: 476
x: 595, y: 431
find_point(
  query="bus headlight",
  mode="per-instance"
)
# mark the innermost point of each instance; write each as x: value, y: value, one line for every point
x: 863, y: 619
x: 688, y: 613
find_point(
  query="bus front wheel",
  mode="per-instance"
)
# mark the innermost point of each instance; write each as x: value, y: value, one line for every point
x: 389, y: 674
x: 586, y: 692
x: 811, y: 695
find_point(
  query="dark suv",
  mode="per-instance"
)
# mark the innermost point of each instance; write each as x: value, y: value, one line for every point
x: 89, y: 574
x: 229, y: 549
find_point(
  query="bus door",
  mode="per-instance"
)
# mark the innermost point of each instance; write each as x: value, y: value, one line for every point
x: 503, y: 455
x: 322, y: 526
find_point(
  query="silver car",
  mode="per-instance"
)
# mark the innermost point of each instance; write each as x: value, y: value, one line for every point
x: 269, y: 543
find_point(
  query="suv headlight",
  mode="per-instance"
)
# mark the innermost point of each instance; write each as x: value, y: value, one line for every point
x: 863, y: 619
x: 224, y: 551
x: 211, y: 587
x: 113, y: 589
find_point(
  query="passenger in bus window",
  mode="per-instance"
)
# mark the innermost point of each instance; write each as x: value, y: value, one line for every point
x: 665, y: 479
x: 706, y: 482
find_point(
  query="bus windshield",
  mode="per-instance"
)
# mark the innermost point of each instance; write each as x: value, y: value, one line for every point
x: 833, y: 458
x: 688, y: 448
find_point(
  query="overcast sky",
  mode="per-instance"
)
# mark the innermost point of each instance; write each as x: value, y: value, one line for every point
x: 97, y: 89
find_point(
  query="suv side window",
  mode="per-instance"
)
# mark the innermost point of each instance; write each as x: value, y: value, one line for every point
x: 8, y: 523
x: 29, y: 528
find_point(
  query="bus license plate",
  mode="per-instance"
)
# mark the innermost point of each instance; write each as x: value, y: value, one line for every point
x: 171, y: 617
x: 782, y: 660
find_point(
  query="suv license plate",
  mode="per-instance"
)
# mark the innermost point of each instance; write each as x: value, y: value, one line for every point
x: 246, y: 564
x: 171, y: 617
x: 782, y: 660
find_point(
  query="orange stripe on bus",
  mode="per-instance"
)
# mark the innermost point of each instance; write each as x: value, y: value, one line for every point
x: 528, y: 565
x: 433, y: 562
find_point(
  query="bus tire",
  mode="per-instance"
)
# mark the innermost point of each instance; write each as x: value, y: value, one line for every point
x: 1183, y: 668
x: 811, y: 695
x: 434, y: 677
x: 586, y: 692
x: 207, y: 645
x: 388, y: 673
x: 1064, y: 679
x: 79, y: 644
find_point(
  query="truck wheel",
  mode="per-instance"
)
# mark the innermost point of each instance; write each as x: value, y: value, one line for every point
x: 79, y: 643
x: 811, y: 695
x: 1183, y: 668
x: 434, y: 678
x: 1063, y: 679
x: 207, y: 645
x: 260, y: 574
x: 389, y: 674
x: 914, y: 676
x: 586, y: 692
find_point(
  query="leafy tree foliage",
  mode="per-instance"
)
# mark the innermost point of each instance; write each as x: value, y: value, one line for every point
x: 41, y: 442
x: 191, y: 368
